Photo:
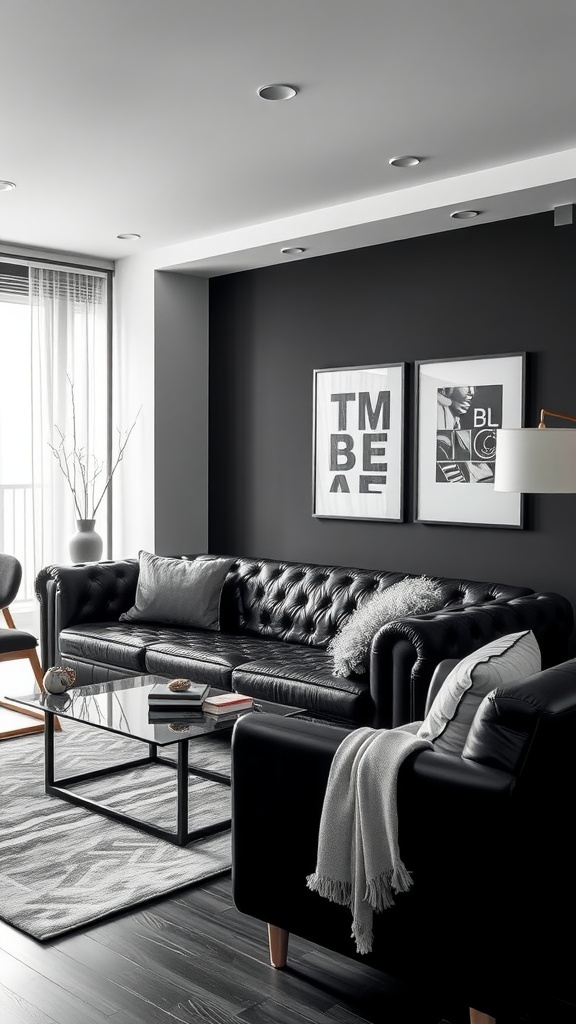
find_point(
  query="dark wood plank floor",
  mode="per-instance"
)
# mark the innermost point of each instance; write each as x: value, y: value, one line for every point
x: 194, y: 958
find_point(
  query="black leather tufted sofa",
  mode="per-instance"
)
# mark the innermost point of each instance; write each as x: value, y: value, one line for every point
x: 277, y: 619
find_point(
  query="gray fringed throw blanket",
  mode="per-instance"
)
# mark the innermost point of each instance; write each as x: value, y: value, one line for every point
x: 359, y: 862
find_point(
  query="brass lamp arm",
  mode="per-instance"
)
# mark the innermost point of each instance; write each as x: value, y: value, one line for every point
x: 557, y: 415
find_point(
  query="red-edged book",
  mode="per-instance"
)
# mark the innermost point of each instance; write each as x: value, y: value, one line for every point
x: 227, y: 703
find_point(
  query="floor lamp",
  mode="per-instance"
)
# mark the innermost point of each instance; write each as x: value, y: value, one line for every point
x: 537, y: 460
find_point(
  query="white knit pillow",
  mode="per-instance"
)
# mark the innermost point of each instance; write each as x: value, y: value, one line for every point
x: 500, y: 662
x: 350, y: 647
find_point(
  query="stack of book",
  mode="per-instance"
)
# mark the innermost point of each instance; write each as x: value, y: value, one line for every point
x: 166, y: 705
x: 227, y: 704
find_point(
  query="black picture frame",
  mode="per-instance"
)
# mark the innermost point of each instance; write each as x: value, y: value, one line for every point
x: 358, y: 442
x: 460, y: 403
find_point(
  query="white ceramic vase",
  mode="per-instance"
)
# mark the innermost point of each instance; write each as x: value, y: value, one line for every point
x: 86, y: 544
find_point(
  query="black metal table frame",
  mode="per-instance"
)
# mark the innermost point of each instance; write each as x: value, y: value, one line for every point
x: 182, y: 835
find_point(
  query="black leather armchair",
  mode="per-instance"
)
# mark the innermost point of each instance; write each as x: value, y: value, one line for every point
x: 489, y: 840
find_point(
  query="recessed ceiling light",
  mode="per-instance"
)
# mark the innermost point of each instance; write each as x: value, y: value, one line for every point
x: 7, y: 186
x: 128, y: 236
x: 404, y: 161
x: 293, y: 251
x: 464, y: 214
x: 277, y: 92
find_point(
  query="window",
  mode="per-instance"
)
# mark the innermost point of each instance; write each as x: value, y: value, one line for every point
x: 54, y: 336
x: 15, y: 424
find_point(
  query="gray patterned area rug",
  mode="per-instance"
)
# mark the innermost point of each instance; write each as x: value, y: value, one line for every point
x: 63, y: 867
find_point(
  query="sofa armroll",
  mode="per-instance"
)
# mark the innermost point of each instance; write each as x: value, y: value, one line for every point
x: 88, y: 592
x: 405, y: 653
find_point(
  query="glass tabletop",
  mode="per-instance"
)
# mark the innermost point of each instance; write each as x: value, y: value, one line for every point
x: 121, y: 706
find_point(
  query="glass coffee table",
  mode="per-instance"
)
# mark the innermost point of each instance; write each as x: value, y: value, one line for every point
x: 121, y: 706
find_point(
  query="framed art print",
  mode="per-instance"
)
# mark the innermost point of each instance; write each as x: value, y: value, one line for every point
x: 358, y: 438
x: 460, y: 404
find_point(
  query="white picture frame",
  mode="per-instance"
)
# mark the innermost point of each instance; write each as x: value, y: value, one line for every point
x: 358, y: 442
x: 460, y: 403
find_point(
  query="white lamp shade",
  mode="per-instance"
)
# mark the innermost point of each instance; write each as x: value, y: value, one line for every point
x: 536, y: 460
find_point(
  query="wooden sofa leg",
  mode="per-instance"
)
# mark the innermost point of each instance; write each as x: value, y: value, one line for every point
x: 477, y: 1017
x: 278, y: 945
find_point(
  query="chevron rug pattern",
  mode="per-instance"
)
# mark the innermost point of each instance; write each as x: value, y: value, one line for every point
x: 63, y: 867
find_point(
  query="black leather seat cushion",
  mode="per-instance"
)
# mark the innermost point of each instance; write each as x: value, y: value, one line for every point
x: 265, y: 668
x: 303, y: 678
x: 108, y: 642
x: 208, y: 656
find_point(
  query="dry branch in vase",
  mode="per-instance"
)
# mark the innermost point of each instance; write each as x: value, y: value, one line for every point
x: 82, y: 471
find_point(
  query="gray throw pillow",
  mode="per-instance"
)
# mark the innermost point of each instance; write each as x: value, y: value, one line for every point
x: 350, y: 648
x: 179, y: 591
x: 498, y: 663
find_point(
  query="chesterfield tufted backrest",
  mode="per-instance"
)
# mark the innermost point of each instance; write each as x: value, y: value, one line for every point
x: 306, y: 603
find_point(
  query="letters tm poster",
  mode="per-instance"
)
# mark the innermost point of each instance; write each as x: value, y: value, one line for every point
x: 358, y: 436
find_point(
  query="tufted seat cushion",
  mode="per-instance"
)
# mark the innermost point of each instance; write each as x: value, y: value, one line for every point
x: 250, y: 664
x: 207, y: 656
x: 304, y: 679
x: 107, y: 642
x: 165, y: 650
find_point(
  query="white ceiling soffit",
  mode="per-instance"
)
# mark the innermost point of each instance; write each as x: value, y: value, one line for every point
x: 421, y: 210
x: 143, y: 116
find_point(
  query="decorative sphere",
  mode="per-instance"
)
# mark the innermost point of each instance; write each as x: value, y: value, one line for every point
x: 59, y: 679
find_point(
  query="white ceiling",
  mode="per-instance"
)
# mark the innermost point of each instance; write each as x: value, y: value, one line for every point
x: 143, y: 116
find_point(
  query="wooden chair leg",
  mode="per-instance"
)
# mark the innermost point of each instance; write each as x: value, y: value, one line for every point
x: 477, y: 1017
x: 37, y: 669
x: 278, y: 945
x: 8, y: 617
x: 30, y: 655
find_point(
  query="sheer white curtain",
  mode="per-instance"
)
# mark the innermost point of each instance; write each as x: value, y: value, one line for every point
x: 69, y: 343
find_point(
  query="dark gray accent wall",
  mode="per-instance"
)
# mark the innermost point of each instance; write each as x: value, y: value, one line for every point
x: 482, y: 289
x: 181, y: 413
